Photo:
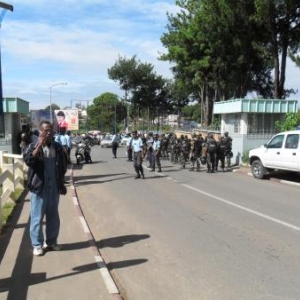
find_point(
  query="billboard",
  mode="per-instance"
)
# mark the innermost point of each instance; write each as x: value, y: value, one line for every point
x: 67, y: 118
x: 37, y: 116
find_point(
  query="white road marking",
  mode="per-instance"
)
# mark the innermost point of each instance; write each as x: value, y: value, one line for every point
x: 84, y: 225
x: 75, y: 201
x: 254, y: 212
x: 110, y: 284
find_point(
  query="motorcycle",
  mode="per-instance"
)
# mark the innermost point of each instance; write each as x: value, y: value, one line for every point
x: 83, y: 152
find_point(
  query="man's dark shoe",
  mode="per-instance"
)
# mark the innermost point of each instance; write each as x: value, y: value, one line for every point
x: 137, y: 177
x: 143, y: 176
x: 159, y: 170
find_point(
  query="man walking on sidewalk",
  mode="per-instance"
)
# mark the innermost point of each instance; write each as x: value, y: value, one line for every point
x: 46, y: 171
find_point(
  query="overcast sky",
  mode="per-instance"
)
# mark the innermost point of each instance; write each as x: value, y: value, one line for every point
x: 46, y: 42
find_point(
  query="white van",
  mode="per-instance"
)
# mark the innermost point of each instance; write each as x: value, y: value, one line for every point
x: 281, y: 153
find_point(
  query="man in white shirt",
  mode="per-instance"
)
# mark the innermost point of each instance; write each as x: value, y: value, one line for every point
x: 137, y: 149
x: 115, y: 144
x: 129, y: 148
x: 156, y: 154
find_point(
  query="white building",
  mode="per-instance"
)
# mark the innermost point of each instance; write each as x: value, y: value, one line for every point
x: 251, y: 122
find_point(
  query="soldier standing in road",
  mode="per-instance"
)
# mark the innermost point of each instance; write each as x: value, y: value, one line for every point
x: 228, y: 149
x: 196, y: 152
x: 220, y: 155
x: 137, y: 149
x: 211, y: 153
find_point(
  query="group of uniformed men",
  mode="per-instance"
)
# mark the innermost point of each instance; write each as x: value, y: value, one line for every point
x: 198, y: 150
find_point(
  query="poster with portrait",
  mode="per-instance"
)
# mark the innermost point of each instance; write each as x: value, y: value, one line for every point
x: 67, y: 118
x: 37, y: 116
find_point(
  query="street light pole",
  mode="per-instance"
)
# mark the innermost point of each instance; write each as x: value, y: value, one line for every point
x: 115, y: 118
x: 5, y: 7
x: 51, y: 86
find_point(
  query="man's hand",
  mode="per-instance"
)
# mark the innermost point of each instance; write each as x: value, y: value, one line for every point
x: 63, y: 190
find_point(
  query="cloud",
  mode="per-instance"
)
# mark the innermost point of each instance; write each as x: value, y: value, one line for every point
x: 44, y: 42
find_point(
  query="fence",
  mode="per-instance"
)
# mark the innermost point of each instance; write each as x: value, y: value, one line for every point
x: 11, y: 178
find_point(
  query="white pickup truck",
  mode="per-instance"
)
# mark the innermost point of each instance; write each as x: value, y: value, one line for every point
x: 281, y: 153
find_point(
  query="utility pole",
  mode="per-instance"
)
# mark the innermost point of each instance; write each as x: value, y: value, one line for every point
x: 5, y: 7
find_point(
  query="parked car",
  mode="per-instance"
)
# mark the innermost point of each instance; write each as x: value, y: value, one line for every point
x: 106, y: 142
x: 281, y: 153
x: 125, y: 139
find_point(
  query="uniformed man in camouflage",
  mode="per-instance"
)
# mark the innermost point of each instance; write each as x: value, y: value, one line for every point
x: 211, y: 153
x: 196, y: 152
x: 185, y: 147
x: 228, y: 149
x: 220, y: 155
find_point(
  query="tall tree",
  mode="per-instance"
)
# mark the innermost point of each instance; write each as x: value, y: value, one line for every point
x: 295, y: 58
x: 210, y: 42
x: 144, y: 89
x: 281, y: 23
x: 105, y: 110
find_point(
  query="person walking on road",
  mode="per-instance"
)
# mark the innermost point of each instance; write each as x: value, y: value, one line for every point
x: 129, y: 148
x: 137, y: 149
x: 115, y: 144
x: 46, y: 171
x: 156, y: 153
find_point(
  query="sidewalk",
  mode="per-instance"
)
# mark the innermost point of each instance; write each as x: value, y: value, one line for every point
x: 76, y: 272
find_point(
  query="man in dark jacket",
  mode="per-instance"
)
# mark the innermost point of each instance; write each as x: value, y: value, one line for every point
x: 45, y: 160
x: 211, y: 153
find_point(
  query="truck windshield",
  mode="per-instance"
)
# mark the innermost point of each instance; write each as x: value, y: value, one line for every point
x: 276, y: 142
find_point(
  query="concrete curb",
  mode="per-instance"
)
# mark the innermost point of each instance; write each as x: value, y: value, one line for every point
x: 282, y: 181
x: 106, y: 276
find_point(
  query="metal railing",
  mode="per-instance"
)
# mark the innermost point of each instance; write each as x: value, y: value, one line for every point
x: 12, y: 177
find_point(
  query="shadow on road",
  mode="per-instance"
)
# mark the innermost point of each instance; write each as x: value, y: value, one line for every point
x: 85, y: 180
x: 125, y: 263
x: 120, y: 241
x: 75, y: 178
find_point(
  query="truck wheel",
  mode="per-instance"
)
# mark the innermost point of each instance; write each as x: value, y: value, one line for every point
x: 258, y: 170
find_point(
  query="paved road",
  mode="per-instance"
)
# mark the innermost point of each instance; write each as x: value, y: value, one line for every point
x: 187, y: 235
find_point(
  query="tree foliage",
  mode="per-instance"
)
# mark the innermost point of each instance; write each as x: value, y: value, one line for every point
x: 192, y: 112
x: 222, y: 49
x: 104, y: 111
x: 295, y: 58
x: 143, y: 88
x: 291, y: 121
x: 280, y: 20
x: 53, y: 106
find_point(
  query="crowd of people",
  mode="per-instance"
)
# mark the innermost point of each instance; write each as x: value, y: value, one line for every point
x: 197, y: 151
x: 47, y: 155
